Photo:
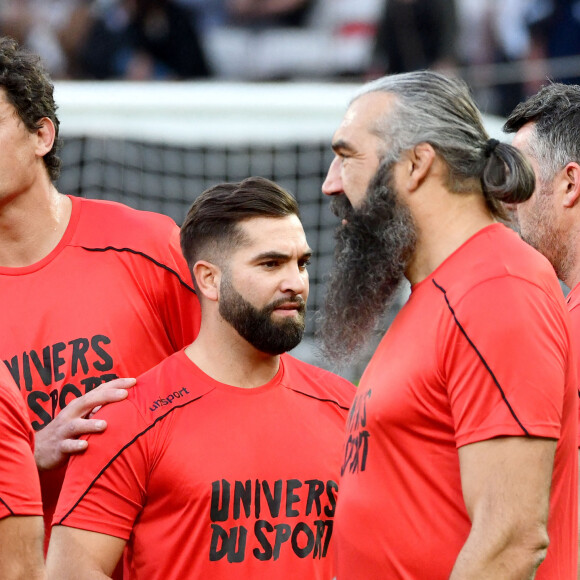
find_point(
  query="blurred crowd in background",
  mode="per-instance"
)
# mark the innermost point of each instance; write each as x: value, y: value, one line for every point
x: 504, y: 48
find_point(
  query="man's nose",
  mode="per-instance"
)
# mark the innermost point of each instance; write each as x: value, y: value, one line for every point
x: 333, y: 183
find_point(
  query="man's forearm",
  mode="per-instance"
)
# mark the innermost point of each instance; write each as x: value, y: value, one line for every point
x: 77, y: 554
x: 519, y: 559
x: 73, y: 569
x: 78, y: 573
x: 21, y: 540
x: 506, y: 488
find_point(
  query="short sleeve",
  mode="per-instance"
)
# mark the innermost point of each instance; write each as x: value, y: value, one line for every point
x: 105, y: 487
x: 19, y: 483
x: 180, y: 306
x: 506, y: 361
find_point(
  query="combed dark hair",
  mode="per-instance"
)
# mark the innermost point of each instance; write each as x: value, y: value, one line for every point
x: 432, y: 108
x: 213, y: 219
x: 555, y: 112
x: 29, y: 90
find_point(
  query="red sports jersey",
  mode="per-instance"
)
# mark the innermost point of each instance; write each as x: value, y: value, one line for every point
x: 480, y: 350
x: 111, y: 300
x: 19, y: 485
x: 573, y: 300
x: 206, y: 480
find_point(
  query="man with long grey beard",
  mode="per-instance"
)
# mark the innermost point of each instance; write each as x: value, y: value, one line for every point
x: 460, y: 457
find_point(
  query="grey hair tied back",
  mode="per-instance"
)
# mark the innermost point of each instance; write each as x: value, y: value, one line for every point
x: 490, y: 147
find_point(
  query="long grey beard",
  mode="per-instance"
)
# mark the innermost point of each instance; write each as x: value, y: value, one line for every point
x: 372, y: 252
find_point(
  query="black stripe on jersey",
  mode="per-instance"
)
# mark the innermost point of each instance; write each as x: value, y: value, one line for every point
x: 7, y: 507
x: 109, y: 463
x: 131, y: 251
x: 319, y: 399
x: 480, y: 358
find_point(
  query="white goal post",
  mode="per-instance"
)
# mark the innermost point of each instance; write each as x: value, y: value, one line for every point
x: 208, y: 113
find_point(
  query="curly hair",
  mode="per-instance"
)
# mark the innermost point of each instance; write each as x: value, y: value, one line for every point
x: 29, y: 90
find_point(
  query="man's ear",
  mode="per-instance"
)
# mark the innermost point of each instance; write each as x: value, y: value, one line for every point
x: 207, y: 277
x: 569, y: 179
x: 45, y: 135
x: 419, y: 162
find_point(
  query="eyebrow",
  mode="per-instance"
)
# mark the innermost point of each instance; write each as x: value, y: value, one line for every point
x: 280, y: 256
x: 341, y: 145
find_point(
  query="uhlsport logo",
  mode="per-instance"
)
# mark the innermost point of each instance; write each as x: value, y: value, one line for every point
x: 168, y: 399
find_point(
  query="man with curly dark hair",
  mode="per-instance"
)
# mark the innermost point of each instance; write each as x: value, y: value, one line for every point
x: 29, y: 90
x: 91, y: 290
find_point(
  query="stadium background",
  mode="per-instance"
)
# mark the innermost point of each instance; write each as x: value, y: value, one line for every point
x: 157, y: 146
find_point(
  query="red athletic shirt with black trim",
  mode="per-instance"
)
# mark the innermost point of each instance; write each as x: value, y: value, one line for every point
x: 19, y: 485
x: 113, y: 299
x: 480, y: 350
x: 206, y: 480
x: 573, y: 300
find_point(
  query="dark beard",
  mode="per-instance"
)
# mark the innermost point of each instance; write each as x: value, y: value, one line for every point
x: 372, y: 252
x: 257, y: 326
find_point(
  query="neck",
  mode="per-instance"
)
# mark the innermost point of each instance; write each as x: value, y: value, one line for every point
x: 571, y: 274
x: 227, y: 358
x: 567, y: 263
x: 31, y: 225
x: 444, y: 223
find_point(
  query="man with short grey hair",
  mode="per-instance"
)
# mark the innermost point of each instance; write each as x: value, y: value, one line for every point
x: 460, y: 458
x: 547, y: 132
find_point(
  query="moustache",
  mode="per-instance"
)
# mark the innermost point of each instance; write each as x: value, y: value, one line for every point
x: 341, y: 207
x: 298, y: 300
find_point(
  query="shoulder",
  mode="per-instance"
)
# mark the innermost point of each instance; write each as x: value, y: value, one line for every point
x: 171, y: 384
x: 496, y: 261
x: 492, y: 291
x: 147, y: 237
x: 316, y: 382
x: 104, y: 224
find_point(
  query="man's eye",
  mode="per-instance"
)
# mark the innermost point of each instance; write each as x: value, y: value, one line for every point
x: 304, y: 264
x: 270, y: 264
